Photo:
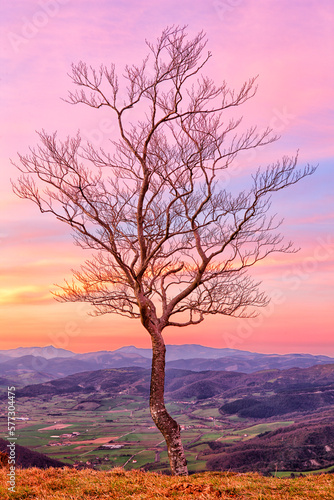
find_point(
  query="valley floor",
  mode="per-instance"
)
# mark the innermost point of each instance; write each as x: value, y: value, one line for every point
x: 61, y: 484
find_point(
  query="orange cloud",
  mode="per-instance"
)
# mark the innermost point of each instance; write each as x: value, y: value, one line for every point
x: 26, y: 295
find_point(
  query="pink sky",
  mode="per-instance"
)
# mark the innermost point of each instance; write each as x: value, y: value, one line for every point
x: 289, y: 44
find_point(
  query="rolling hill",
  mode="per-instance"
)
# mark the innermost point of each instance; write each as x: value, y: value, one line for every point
x: 299, y: 447
x: 257, y: 395
x: 25, y: 458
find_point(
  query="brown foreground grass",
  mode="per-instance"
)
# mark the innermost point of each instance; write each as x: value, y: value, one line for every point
x: 69, y: 484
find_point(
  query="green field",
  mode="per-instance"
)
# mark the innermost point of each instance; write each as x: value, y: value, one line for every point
x: 123, y: 420
x: 61, y: 429
x: 306, y: 473
x: 260, y: 428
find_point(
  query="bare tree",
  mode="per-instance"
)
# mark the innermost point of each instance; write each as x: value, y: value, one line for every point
x: 171, y: 245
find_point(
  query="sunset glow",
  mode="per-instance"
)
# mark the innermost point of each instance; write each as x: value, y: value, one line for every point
x: 290, y: 45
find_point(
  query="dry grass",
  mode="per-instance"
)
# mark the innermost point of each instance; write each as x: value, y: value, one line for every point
x: 69, y: 484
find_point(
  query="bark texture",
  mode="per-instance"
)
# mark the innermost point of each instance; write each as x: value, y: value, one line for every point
x: 169, y: 428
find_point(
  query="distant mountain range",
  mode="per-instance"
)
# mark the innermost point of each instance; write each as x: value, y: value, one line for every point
x: 33, y: 365
x: 185, y: 351
x: 47, y: 352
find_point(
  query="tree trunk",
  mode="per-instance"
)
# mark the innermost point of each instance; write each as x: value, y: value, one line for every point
x: 169, y: 428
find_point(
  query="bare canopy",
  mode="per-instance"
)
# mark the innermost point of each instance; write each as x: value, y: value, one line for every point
x: 171, y: 245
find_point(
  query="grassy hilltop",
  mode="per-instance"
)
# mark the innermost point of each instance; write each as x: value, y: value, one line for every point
x: 69, y: 484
